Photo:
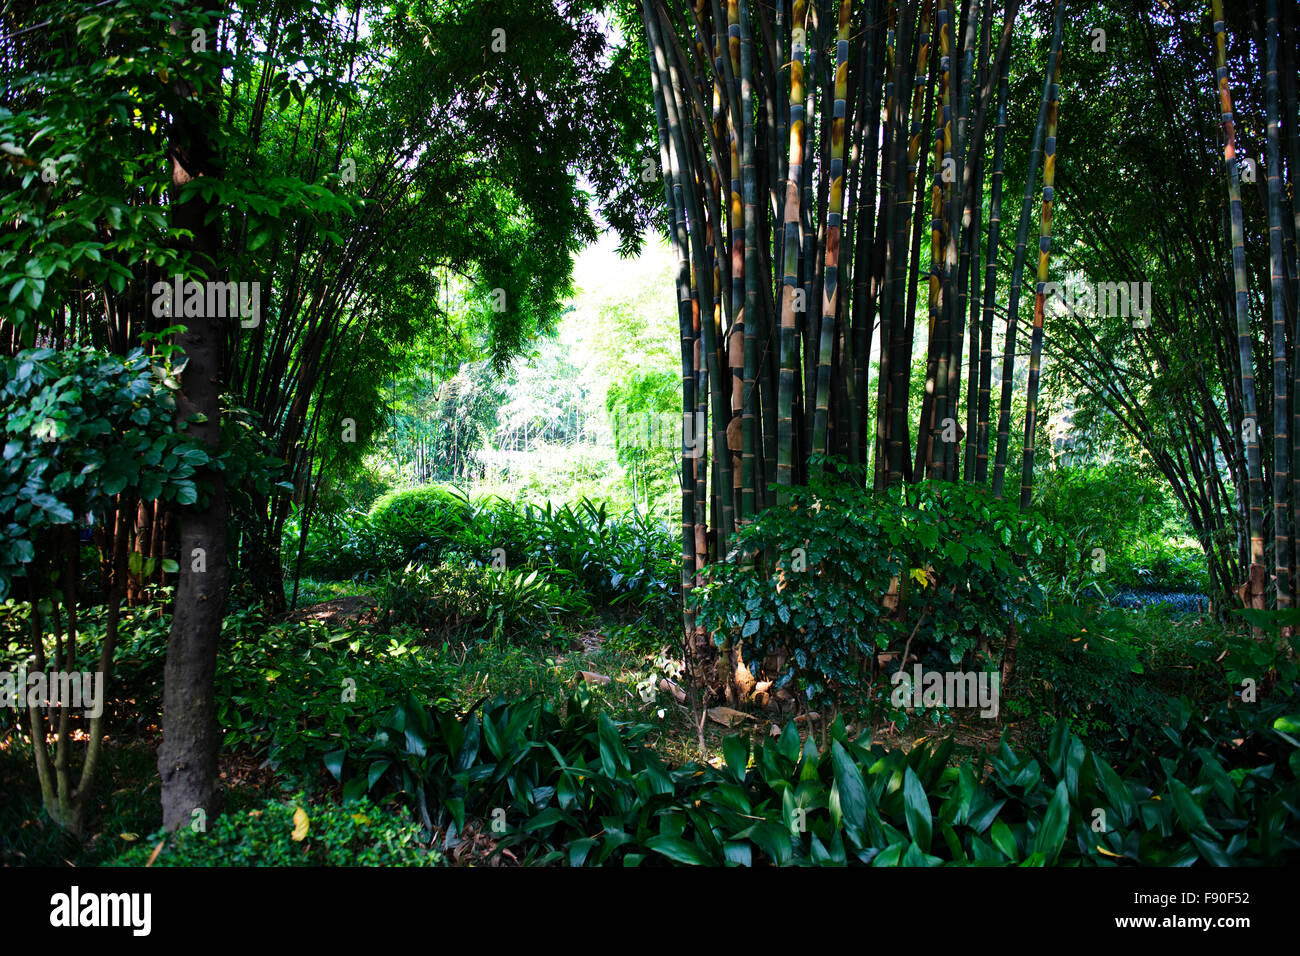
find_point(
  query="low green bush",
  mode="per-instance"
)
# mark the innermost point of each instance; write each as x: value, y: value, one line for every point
x: 1223, y: 789
x: 629, y: 562
x: 286, y: 691
x: 1114, y: 527
x: 482, y: 602
x: 418, y: 522
x: 1250, y: 658
x: 838, y: 573
x: 80, y: 427
x: 1161, y: 563
x: 340, y: 545
x: 290, y: 692
x: 295, y: 832
x: 1083, y: 664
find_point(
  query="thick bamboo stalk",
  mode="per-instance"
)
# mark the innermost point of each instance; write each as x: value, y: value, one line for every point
x: 686, y: 292
x: 1291, y: 111
x: 749, y: 191
x: 1018, y: 264
x: 932, y: 452
x: 957, y: 252
x: 990, y: 284
x: 1277, y: 293
x: 1250, y: 420
x: 1040, y: 298
x: 834, y: 228
x: 680, y: 167
x: 900, y: 302
x: 792, y: 248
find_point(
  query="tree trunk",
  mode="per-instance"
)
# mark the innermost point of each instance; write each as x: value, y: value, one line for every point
x: 187, y: 758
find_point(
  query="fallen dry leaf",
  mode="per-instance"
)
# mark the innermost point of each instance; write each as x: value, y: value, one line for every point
x: 728, y: 716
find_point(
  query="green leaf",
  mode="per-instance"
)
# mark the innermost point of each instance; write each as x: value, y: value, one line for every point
x: 852, y: 789
x: 612, y: 754
x: 735, y: 752
x: 774, y: 840
x: 1116, y: 790
x: 1288, y: 725
x: 738, y: 853
x: 1051, y: 834
x: 891, y: 855
x: 334, y: 763
x: 377, y: 770
x: 1189, y: 811
x: 678, y: 850
x: 916, y: 808
x: 916, y: 857
x: 1004, y: 840
x: 579, y: 849
x: 1057, y: 745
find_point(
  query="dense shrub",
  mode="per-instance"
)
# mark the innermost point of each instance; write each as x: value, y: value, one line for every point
x: 419, y: 522
x: 838, y: 573
x: 1266, y: 652
x: 134, y: 691
x: 81, y: 427
x: 1084, y: 665
x: 291, y: 692
x: 286, y: 691
x: 1130, y: 516
x: 1158, y: 561
x: 628, y: 561
x: 292, y: 833
x: 481, y: 601
x: 340, y: 545
x: 577, y: 788
x: 405, y: 525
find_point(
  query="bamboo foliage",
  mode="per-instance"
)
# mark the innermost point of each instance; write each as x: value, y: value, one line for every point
x: 1181, y: 383
x: 796, y: 203
x: 799, y: 196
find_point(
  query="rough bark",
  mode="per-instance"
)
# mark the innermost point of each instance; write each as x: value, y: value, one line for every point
x: 187, y: 757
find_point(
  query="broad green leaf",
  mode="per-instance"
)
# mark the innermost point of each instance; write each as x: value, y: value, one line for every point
x: 1004, y: 840
x: 1051, y: 834
x: 916, y: 808
x: 1189, y: 811
x: 852, y: 788
x: 678, y: 850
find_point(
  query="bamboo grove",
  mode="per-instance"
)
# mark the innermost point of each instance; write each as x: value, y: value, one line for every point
x: 1282, y: 296
x: 833, y: 169
x: 1220, y: 252
x: 829, y: 169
